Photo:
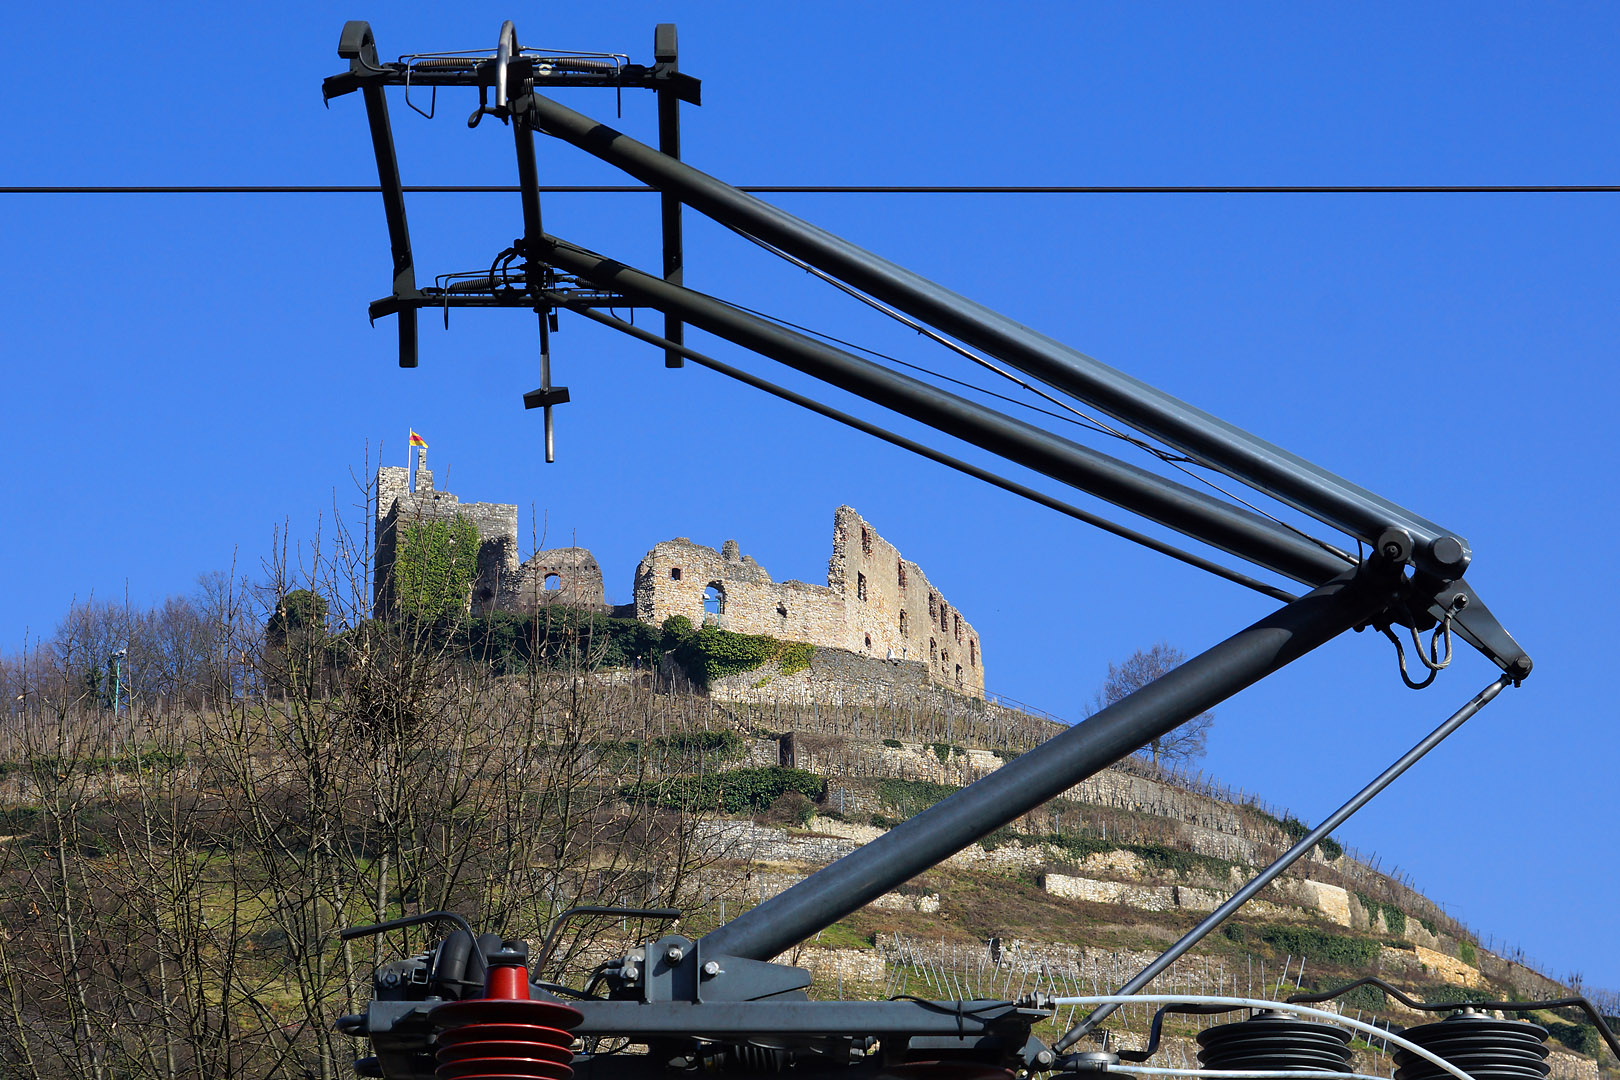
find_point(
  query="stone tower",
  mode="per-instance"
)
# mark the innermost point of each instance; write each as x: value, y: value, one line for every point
x: 399, y: 504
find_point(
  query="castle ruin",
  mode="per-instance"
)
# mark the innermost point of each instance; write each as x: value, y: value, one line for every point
x: 876, y: 603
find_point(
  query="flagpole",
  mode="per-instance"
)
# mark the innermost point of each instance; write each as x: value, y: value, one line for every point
x: 408, y: 485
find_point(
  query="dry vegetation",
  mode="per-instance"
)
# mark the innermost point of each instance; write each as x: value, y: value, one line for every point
x: 176, y: 864
x: 177, y: 856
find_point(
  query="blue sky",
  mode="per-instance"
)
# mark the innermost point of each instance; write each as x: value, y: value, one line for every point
x: 184, y: 374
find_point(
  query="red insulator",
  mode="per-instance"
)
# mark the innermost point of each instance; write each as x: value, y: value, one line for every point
x: 504, y: 1035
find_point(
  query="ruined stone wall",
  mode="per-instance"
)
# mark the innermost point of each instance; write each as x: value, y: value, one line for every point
x: 676, y: 574
x: 895, y: 610
x: 835, y: 677
x: 399, y: 507
x: 875, y: 603
x: 568, y: 576
x: 393, y: 483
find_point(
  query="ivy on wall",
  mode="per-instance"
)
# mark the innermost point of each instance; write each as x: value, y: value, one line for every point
x: 1394, y: 917
x: 712, y: 653
x: 435, y: 566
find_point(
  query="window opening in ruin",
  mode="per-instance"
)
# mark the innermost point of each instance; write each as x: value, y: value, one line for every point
x: 552, y: 582
x: 860, y: 586
x: 866, y: 540
x: 973, y: 652
x: 900, y: 572
x: 944, y: 657
x: 958, y: 674
x: 781, y: 611
x: 944, y: 617
x: 868, y: 641
x: 957, y: 624
x: 674, y: 573
x: 714, y: 598
x: 933, y: 605
x: 902, y: 624
x: 933, y: 650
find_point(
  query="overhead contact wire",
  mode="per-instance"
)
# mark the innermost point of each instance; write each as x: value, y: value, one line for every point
x: 830, y: 189
x: 1024, y: 491
x: 1171, y: 459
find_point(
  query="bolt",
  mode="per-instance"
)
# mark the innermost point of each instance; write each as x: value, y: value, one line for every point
x: 1447, y: 551
x: 1044, y: 1058
x: 630, y: 972
x: 1392, y: 551
x: 390, y: 978
x: 675, y: 953
x: 712, y: 968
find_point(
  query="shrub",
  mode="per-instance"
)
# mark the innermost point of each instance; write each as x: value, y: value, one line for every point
x: 733, y: 792
x: 1581, y: 1038
x: 1181, y: 862
x: 1321, y: 946
x: 791, y: 808
x: 724, y: 744
x: 1296, y: 830
x: 555, y: 637
x: 1467, y: 954
x: 909, y: 798
x: 893, y: 744
x: 713, y: 653
x: 1369, y: 998
x: 794, y: 656
x: 692, y: 747
x: 1433, y: 995
x: 1394, y: 917
x: 18, y: 819
x: 299, y: 614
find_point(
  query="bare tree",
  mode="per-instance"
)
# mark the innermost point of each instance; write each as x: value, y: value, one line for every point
x: 173, y: 873
x: 1185, y: 743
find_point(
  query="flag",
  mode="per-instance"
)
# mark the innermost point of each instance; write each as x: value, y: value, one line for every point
x: 417, y: 440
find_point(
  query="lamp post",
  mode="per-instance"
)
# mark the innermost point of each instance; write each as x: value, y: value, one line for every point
x: 117, y: 679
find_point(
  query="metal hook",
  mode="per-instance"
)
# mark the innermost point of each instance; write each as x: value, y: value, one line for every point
x: 483, y: 107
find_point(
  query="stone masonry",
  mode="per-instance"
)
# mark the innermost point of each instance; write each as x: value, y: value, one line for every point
x: 568, y: 576
x: 399, y: 505
x: 875, y: 603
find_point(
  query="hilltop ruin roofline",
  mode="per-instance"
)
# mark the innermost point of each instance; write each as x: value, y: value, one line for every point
x: 875, y: 603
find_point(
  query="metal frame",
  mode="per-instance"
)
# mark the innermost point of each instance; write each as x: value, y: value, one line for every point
x: 698, y: 1001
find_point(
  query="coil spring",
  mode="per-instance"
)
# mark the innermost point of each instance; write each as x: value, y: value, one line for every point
x: 1275, y: 1040
x: 1482, y: 1046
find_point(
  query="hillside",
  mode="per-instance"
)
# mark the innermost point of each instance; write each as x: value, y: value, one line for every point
x: 176, y: 866
x: 1081, y: 894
